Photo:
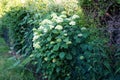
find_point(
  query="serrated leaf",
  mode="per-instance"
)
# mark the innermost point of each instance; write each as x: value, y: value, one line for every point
x: 62, y: 55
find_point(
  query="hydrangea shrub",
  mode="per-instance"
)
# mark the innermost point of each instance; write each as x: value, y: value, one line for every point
x: 65, y: 50
x: 54, y: 42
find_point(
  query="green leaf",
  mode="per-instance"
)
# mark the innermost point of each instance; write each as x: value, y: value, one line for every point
x: 118, y: 70
x: 66, y: 39
x: 55, y: 31
x: 69, y: 57
x: 85, y: 35
x: 27, y: 60
x: 64, y: 46
x: 16, y: 64
x: 107, y: 65
x: 62, y: 55
x: 74, y: 51
x: 18, y: 52
x: 58, y: 70
x: 56, y: 47
x: 49, y: 39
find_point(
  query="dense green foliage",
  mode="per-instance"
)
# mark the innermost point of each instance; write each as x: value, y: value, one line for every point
x: 60, y: 53
x: 61, y: 41
x: 3, y: 46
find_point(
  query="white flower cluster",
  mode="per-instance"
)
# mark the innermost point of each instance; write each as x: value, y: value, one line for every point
x: 72, y: 23
x: 83, y: 28
x: 56, y: 23
x: 36, y: 45
x: 59, y: 27
x: 80, y: 35
x: 59, y: 19
x: 46, y: 21
x: 75, y: 16
x: 43, y: 28
x: 53, y: 15
x: 47, y: 24
x: 51, y: 26
x: 36, y: 35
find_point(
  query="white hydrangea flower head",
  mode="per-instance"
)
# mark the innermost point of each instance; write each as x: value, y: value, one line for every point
x: 46, y: 21
x: 65, y: 34
x: 51, y: 26
x: 34, y: 29
x: 75, y: 16
x: 45, y: 30
x: 59, y: 20
x: 35, y: 37
x: 59, y: 27
x: 83, y: 28
x: 36, y: 45
x: 35, y: 33
x: 72, y: 23
x: 53, y: 15
x: 46, y: 59
x: 80, y: 35
x: 54, y: 60
x: 41, y: 28
x: 68, y: 19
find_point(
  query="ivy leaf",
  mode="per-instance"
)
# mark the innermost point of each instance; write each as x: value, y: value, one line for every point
x: 62, y: 55
x: 69, y: 57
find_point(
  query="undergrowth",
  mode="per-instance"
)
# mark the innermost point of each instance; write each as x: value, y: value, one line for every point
x: 7, y: 73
